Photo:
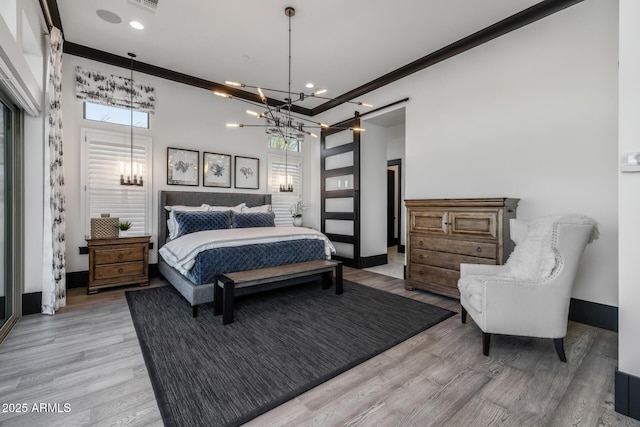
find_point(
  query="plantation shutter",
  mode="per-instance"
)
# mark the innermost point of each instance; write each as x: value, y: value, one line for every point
x: 281, y: 202
x: 104, y: 154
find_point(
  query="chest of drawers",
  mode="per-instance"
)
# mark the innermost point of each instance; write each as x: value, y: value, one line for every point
x: 443, y: 233
x: 118, y: 261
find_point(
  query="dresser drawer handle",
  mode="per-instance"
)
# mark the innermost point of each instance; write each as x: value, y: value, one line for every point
x: 421, y: 243
x: 478, y: 249
x: 120, y: 270
x: 420, y: 272
x: 120, y: 256
x: 421, y: 256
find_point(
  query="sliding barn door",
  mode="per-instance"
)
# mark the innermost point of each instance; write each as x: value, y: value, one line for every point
x: 340, y: 190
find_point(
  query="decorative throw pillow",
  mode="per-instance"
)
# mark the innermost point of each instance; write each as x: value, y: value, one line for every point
x: 172, y: 227
x: 253, y: 219
x: 192, y: 222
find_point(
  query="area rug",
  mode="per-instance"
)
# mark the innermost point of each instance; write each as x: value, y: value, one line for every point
x: 281, y: 344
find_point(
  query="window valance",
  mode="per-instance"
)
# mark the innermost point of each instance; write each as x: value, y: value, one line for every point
x: 109, y: 89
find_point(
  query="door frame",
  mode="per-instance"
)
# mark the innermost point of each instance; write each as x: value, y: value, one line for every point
x: 398, y: 162
x: 14, y: 221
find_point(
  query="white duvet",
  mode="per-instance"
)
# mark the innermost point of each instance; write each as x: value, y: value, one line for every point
x: 181, y: 252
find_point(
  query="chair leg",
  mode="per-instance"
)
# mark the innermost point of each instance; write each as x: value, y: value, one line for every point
x: 463, y: 314
x: 558, y: 343
x: 486, y: 341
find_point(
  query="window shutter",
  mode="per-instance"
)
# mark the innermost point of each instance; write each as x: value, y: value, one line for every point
x: 281, y: 202
x: 104, y: 154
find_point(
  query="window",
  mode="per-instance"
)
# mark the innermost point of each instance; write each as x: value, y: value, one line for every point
x: 116, y: 115
x: 281, y: 202
x: 278, y: 143
x: 103, y: 153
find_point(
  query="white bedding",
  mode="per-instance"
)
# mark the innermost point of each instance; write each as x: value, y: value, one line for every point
x: 181, y: 252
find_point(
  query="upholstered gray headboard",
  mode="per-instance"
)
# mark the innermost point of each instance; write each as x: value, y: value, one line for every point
x: 196, y: 198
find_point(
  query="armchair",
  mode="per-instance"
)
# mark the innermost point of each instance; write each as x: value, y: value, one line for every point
x: 530, y: 294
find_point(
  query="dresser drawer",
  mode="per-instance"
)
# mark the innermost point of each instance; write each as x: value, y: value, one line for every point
x: 439, y: 276
x: 429, y: 221
x: 116, y: 255
x: 475, y: 249
x: 476, y: 224
x: 445, y: 259
x: 119, y: 270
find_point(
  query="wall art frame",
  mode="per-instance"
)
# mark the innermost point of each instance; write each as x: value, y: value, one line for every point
x: 216, y: 170
x: 183, y: 167
x: 247, y: 173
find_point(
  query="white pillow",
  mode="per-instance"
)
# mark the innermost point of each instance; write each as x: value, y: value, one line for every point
x: 172, y: 225
x: 203, y: 207
x: 263, y: 208
x: 238, y: 208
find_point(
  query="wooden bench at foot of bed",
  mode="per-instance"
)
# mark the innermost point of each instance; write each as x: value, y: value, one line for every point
x: 225, y: 285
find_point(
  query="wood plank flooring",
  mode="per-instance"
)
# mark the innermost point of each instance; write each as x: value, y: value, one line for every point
x: 88, y: 356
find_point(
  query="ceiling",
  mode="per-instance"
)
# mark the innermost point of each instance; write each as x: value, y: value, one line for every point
x: 336, y: 44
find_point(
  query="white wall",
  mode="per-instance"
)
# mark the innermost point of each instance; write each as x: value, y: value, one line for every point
x: 373, y: 191
x: 531, y: 115
x: 185, y: 117
x: 629, y: 184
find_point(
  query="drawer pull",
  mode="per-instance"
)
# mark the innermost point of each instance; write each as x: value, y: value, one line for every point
x: 421, y: 256
x: 420, y: 272
x: 421, y: 243
x: 120, y: 256
x: 120, y: 270
x: 478, y: 249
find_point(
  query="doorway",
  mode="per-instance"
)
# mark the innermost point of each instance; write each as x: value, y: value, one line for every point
x: 394, y: 203
x: 392, y: 125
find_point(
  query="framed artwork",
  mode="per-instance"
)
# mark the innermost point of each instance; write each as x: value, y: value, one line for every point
x: 216, y: 170
x: 247, y: 173
x: 182, y: 166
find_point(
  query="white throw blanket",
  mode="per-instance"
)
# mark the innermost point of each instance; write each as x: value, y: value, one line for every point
x: 535, y: 258
x: 181, y: 252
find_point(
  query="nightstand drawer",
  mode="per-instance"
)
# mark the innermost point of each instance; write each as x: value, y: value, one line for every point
x: 112, y: 256
x: 119, y: 270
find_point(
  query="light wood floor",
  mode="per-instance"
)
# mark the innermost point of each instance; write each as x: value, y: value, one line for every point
x: 88, y: 356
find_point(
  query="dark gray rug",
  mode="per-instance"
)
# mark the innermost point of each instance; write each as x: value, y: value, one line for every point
x: 282, y: 343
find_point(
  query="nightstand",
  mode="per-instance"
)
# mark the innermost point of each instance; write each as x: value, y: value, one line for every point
x: 117, y: 261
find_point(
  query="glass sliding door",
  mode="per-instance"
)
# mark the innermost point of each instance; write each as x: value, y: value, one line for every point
x: 9, y: 289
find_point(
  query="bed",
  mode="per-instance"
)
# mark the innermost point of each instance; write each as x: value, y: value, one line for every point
x: 192, y: 272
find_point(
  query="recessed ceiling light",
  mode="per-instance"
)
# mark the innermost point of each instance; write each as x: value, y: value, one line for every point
x: 108, y: 16
x: 309, y: 85
x: 137, y: 25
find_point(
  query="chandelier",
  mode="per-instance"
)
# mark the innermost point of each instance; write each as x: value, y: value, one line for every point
x: 134, y: 169
x: 279, y: 120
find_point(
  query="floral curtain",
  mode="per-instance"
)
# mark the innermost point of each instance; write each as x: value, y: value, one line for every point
x: 54, y: 285
x: 115, y: 91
